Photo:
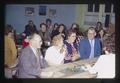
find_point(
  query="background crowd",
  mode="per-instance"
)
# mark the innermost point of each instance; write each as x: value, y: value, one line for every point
x: 53, y: 44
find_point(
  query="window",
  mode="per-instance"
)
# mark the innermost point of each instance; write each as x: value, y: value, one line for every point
x: 93, y: 7
x: 107, y: 8
x: 109, y: 13
x: 107, y: 19
x: 90, y: 7
x: 113, y: 9
x: 96, y: 7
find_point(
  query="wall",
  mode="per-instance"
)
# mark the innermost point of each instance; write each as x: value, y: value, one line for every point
x: 80, y: 14
x: 66, y: 13
x: 15, y: 15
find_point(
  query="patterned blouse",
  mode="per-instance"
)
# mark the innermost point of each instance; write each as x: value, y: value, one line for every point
x: 109, y: 42
x: 71, y: 49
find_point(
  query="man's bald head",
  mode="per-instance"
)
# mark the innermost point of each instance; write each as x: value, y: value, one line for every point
x: 35, y: 40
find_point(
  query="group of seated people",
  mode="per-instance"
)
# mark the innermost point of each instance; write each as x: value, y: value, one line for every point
x: 47, y: 31
x: 61, y: 47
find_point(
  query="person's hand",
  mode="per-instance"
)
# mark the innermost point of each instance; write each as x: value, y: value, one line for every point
x: 64, y: 51
x: 75, y: 57
x: 104, y: 48
x: 63, y: 35
x: 106, y: 52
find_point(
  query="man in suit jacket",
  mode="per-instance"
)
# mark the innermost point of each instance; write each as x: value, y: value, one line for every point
x: 90, y: 46
x: 30, y: 62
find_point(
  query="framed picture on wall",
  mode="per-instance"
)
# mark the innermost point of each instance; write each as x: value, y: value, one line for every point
x: 42, y: 10
x: 52, y: 12
x: 29, y: 11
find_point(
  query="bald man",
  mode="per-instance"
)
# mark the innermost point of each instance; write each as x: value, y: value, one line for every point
x: 30, y: 60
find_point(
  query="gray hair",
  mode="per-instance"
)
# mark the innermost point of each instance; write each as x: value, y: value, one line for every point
x: 34, y: 37
x: 91, y: 28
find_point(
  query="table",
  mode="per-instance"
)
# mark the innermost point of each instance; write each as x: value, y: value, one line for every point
x: 57, y: 71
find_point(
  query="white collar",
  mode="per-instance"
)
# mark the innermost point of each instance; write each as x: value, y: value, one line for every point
x: 33, y: 49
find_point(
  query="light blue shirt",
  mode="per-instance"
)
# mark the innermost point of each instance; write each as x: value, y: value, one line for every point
x: 92, y: 42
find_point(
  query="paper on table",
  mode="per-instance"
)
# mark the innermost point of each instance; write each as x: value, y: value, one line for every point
x: 46, y: 74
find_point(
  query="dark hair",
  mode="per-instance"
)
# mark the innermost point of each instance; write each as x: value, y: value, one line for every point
x: 30, y: 21
x: 56, y: 24
x: 61, y: 25
x: 32, y: 30
x: 70, y: 31
x: 8, y: 29
x: 77, y: 26
x: 42, y: 24
x: 98, y: 28
x: 103, y: 31
x: 99, y: 22
x: 91, y: 28
x: 77, y: 29
x: 48, y: 20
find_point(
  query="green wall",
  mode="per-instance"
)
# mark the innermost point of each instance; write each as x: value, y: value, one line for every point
x: 80, y: 14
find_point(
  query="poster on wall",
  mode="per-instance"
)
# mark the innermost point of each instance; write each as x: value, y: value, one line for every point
x: 29, y: 11
x: 91, y: 20
x: 52, y: 13
x: 42, y: 10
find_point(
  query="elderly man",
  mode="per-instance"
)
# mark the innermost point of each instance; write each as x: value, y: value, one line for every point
x: 100, y: 68
x: 30, y: 61
x: 90, y: 46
